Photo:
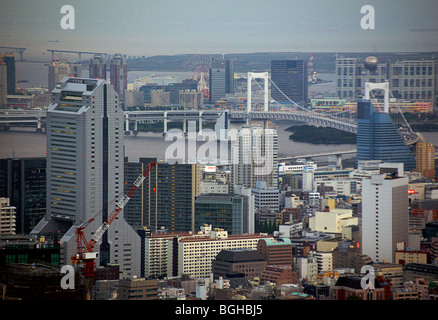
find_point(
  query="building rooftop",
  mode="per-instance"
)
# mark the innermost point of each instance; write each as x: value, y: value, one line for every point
x: 353, y: 282
x: 230, y: 237
x: 278, y: 242
x: 239, y: 255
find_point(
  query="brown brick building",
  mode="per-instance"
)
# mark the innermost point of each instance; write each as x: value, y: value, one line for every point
x: 276, y: 252
x: 279, y: 274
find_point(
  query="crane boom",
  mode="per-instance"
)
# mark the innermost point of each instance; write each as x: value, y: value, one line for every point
x: 82, y: 243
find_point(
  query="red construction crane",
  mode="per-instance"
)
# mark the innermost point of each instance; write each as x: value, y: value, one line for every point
x: 85, y: 248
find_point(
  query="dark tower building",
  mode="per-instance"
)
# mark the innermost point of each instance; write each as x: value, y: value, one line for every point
x: 9, y: 61
x: 291, y: 78
x: 169, y: 195
x: 23, y: 181
x: 221, y: 79
x: 119, y: 76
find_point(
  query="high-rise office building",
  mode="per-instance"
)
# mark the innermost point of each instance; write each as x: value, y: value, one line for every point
x: 175, y: 89
x: 85, y: 171
x: 414, y: 80
x: 425, y: 156
x: 191, y: 99
x: 7, y: 217
x: 3, y: 85
x: 58, y: 70
x: 97, y: 67
x: 222, y: 211
x: 170, y: 192
x: 119, y: 76
x: 264, y: 197
x: 385, y: 212
x: 221, y: 79
x: 9, y: 60
x: 379, y: 139
x: 23, y: 181
x: 254, y: 156
x: 351, y: 76
x: 134, y: 209
x: 291, y: 81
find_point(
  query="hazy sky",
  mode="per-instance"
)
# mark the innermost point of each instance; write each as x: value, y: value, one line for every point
x: 222, y: 26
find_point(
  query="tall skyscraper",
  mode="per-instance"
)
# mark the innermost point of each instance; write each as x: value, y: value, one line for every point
x: 134, y: 209
x: 85, y: 168
x: 58, y: 70
x: 379, y: 139
x: 221, y: 79
x: 97, y: 67
x: 119, y: 76
x: 9, y: 60
x: 170, y: 195
x: 291, y: 78
x: 3, y: 85
x: 23, y: 181
x: 425, y: 156
x: 385, y: 212
x: 254, y: 156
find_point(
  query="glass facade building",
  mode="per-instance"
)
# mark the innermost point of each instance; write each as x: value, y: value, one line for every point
x: 291, y: 78
x: 23, y: 181
x: 169, y: 195
x: 220, y: 211
x: 379, y: 139
x: 221, y: 79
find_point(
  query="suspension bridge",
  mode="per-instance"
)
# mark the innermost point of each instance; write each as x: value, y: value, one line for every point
x: 270, y: 110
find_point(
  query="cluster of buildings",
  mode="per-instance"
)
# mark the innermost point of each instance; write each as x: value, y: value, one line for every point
x: 257, y: 228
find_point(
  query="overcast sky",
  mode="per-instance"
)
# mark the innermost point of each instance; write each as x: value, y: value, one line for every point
x: 136, y: 27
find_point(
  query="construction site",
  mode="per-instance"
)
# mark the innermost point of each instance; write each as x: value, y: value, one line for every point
x: 29, y: 267
x: 38, y: 282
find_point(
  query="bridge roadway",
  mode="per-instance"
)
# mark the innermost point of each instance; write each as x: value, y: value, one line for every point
x: 213, y: 115
x: 12, y: 117
x: 319, y: 154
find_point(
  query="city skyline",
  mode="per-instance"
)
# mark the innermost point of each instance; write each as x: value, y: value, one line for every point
x: 170, y: 27
x: 294, y: 158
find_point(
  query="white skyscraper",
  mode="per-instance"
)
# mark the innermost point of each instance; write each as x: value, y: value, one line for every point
x: 85, y: 162
x: 254, y: 155
x: 385, y: 213
x: 308, y: 174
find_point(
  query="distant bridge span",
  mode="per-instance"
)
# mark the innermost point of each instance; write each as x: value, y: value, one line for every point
x: 213, y: 115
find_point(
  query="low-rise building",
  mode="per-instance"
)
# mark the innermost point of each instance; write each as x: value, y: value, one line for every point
x: 404, y: 257
x: 332, y: 221
x: 193, y: 255
x: 249, y: 262
x: 138, y: 289
x: 278, y: 251
x: 349, y: 288
x: 279, y: 275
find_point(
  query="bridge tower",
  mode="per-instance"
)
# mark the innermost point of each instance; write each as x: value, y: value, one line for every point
x: 370, y: 86
x: 258, y: 75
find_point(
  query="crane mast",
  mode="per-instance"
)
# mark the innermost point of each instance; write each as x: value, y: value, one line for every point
x: 85, y: 248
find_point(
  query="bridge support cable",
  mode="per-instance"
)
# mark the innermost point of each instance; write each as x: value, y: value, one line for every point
x: 349, y: 120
